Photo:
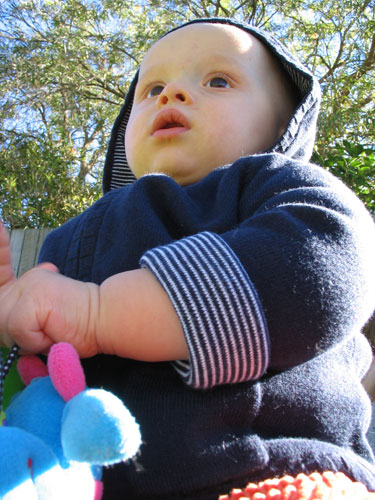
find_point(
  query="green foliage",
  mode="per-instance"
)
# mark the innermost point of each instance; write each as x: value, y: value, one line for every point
x: 39, y: 184
x: 355, y: 165
x: 65, y: 68
x: 12, y: 383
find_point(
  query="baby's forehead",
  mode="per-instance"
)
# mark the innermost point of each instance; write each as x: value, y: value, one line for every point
x: 202, y: 40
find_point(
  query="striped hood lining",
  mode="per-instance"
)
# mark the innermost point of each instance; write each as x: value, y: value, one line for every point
x: 296, y: 142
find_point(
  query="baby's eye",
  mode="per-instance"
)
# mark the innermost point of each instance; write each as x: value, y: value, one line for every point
x: 218, y: 82
x: 154, y: 91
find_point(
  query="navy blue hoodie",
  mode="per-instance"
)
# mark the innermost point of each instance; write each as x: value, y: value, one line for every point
x: 269, y: 265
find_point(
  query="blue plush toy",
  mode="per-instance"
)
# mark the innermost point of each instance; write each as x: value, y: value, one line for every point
x: 58, y: 434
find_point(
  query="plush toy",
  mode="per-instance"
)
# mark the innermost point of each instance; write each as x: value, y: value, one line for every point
x: 58, y: 434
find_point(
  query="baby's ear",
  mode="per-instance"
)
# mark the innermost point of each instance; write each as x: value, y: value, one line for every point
x: 30, y: 367
x: 65, y: 370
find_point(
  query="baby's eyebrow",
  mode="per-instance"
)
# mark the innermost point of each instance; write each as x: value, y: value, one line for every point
x: 154, y: 69
x: 220, y: 58
x: 213, y: 61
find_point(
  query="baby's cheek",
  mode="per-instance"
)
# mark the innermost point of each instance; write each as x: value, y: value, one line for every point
x: 128, y: 139
x: 132, y: 147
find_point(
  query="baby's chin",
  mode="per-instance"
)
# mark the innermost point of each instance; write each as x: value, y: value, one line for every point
x: 183, y: 177
x: 182, y: 172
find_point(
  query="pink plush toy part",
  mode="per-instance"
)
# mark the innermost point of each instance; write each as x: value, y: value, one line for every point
x: 30, y: 367
x: 59, y: 434
x: 66, y: 371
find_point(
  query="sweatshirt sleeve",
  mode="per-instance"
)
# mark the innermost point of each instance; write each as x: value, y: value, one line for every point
x: 218, y: 307
x: 283, y: 285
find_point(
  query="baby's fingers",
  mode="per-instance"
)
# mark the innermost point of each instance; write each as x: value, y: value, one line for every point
x: 6, y: 272
x: 48, y: 266
x: 23, y: 328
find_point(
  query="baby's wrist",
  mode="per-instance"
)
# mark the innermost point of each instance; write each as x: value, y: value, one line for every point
x: 103, y: 312
x: 94, y: 337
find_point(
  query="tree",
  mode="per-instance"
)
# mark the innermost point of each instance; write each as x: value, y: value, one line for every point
x: 39, y: 183
x: 65, y: 68
x: 355, y: 165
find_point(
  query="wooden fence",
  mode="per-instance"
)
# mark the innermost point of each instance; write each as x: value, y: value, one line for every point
x: 25, y: 246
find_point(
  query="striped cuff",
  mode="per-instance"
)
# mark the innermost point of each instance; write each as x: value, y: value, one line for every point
x: 218, y: 308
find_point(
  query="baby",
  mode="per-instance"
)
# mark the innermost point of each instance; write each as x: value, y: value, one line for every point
x: 220, y: 285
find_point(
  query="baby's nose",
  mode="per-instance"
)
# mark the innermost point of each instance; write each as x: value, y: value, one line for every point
x: 174, y: 93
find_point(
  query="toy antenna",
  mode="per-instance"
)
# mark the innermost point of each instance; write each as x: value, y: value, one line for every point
x: 65, y: 370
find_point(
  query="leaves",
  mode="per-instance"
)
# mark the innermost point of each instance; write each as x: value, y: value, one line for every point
x: 355, y: 165
x: 40, y: 186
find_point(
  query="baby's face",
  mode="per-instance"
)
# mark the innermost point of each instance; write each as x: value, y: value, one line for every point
x: 207, y: 94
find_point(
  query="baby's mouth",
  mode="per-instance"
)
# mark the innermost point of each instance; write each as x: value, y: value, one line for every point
x: 169, y: 122
x: 172, y: 125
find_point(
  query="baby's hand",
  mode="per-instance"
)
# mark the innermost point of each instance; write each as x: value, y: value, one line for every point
x: 43, y: 307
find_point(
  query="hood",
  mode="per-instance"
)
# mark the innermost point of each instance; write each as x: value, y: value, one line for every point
x: 296, y: 142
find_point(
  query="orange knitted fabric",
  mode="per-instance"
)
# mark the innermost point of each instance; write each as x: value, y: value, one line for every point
x: 316, y: 486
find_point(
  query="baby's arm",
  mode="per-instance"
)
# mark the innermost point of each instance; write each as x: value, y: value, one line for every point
x: 129, y: 315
